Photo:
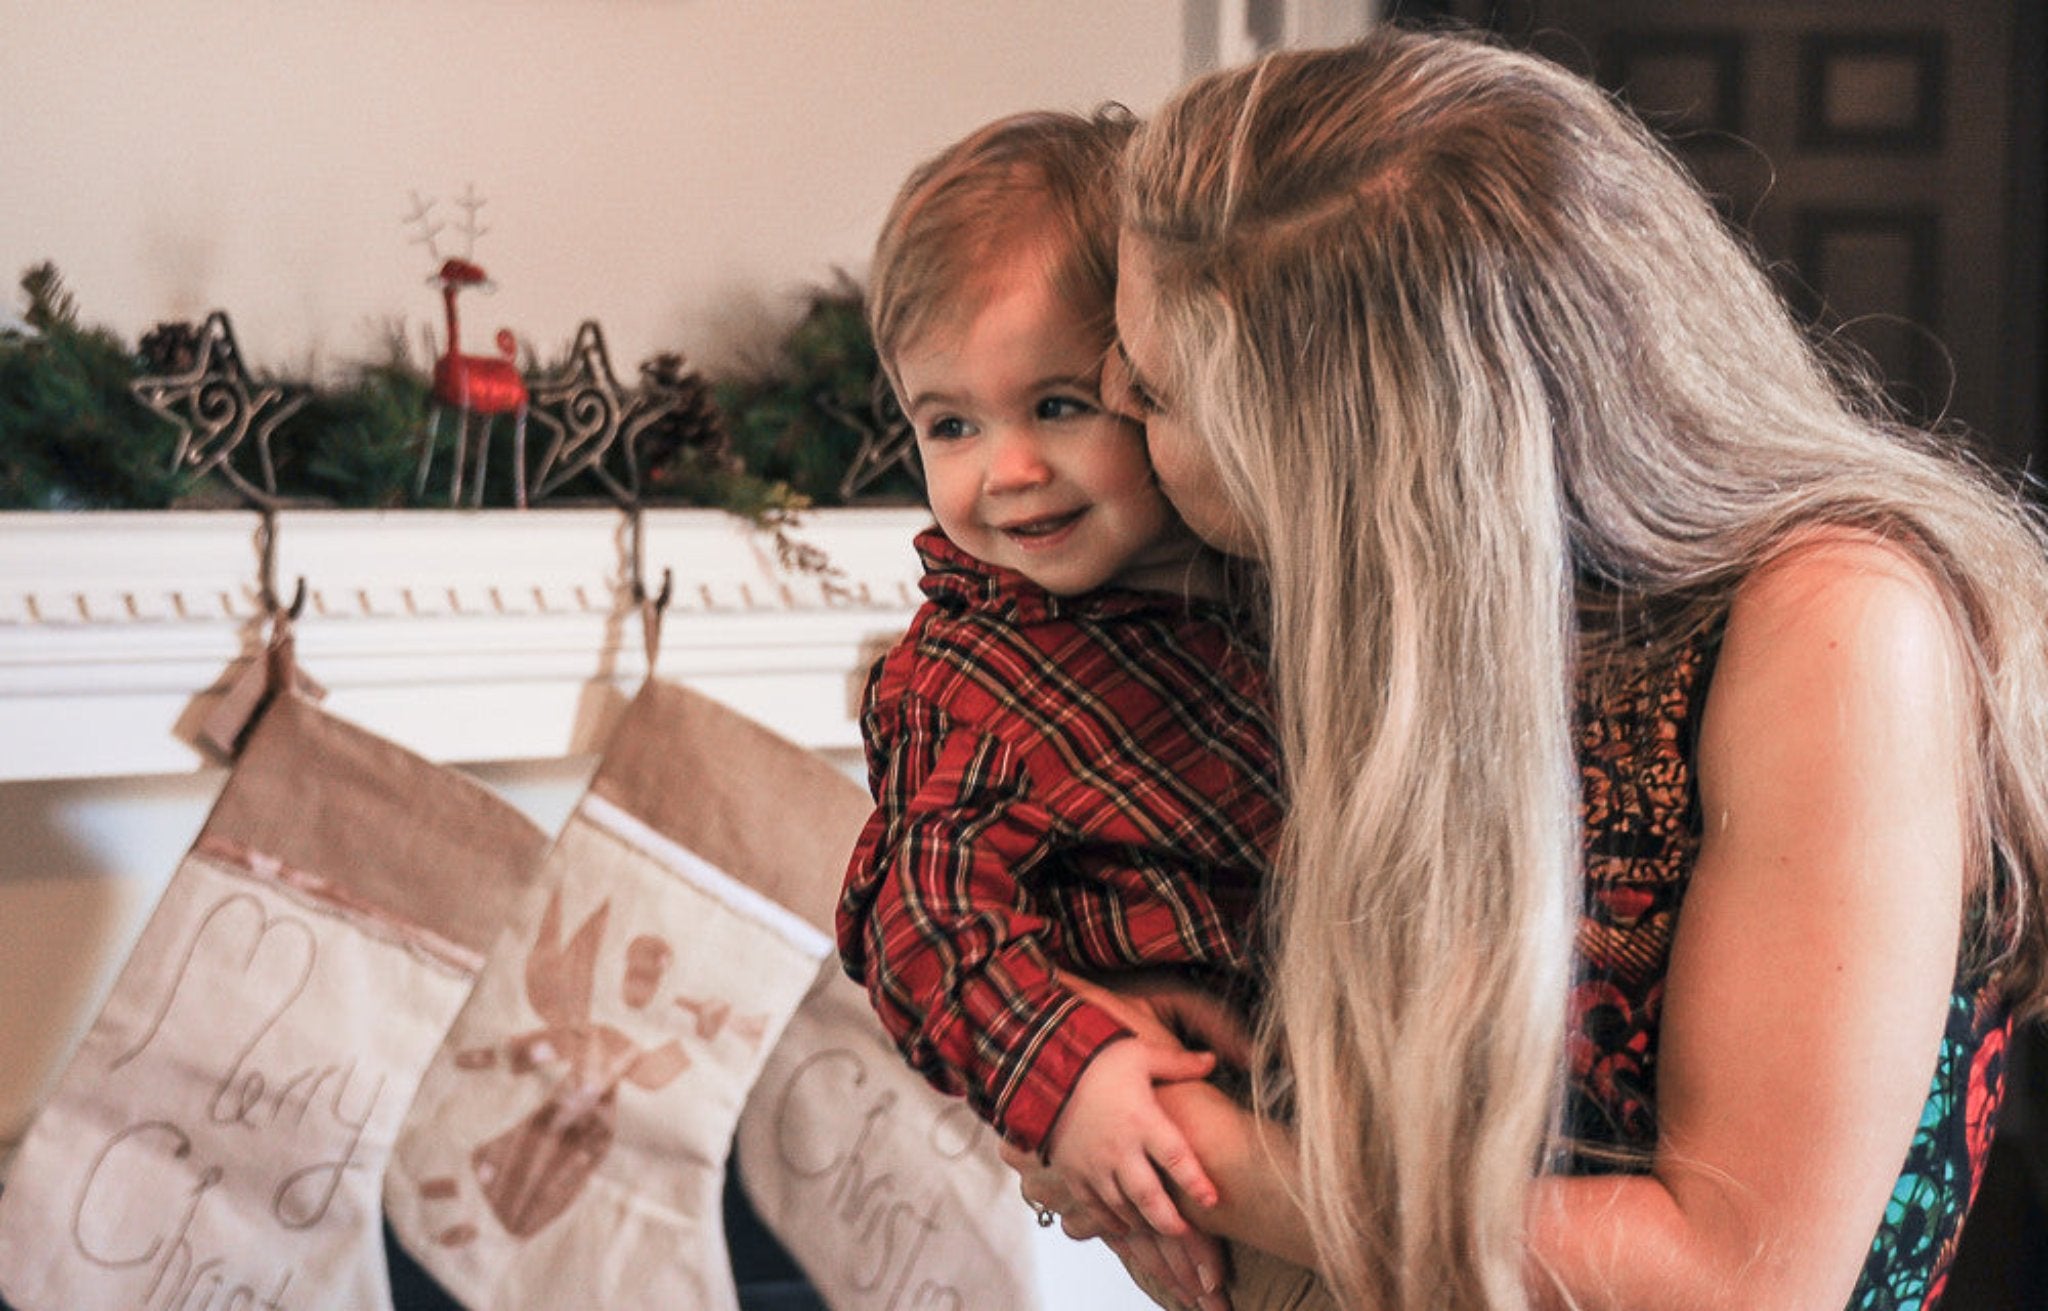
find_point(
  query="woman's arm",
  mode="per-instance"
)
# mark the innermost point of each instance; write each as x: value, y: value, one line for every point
x: 1814, y: 952
x: 1250, y: 1161
x: 1252, y: 1164
x: 1809, y: 979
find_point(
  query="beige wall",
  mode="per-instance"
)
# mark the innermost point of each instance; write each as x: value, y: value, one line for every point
x: 679, y: 170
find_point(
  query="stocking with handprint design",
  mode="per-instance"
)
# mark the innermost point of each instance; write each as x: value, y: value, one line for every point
x: 568, y: 1144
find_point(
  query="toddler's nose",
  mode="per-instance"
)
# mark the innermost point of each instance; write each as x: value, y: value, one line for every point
x: 1015, y: 463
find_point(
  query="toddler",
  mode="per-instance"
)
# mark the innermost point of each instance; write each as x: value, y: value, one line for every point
x: 1070, y: 750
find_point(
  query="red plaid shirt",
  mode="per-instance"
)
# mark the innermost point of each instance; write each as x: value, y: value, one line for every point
x: 1089, y: 783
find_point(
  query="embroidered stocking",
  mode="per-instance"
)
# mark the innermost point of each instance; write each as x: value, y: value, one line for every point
x: 887, y: 1194
x: 568, y: 1144
x: 219, y: 1137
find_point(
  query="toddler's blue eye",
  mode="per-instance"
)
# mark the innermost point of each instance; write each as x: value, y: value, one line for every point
x: 946, y: 429
x: 1063, y: 407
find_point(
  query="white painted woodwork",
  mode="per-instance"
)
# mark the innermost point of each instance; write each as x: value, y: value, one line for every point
x: 466, y: 636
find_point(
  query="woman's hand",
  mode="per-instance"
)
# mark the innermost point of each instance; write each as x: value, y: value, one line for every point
x: 1182, y: 1273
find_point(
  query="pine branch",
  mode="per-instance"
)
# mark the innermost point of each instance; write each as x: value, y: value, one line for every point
x: 49, y: 304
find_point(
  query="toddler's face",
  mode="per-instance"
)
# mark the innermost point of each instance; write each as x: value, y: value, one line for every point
x: 1025, y: 467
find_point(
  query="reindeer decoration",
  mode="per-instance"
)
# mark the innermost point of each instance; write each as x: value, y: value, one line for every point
x: 477, y: 388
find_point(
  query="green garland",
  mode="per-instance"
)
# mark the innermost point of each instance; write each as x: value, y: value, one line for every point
x: 809, y: 427
x: 72, y: 435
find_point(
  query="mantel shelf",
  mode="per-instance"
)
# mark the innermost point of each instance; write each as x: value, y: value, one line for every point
x: 466, y: 636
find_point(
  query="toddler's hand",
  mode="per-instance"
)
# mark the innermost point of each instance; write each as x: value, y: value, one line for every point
x: 1112, y: 1141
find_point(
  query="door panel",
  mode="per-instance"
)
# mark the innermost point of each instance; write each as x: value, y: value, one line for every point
x: 1883, y: 155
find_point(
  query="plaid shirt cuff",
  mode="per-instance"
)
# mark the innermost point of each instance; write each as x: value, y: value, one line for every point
x: 1064, y: 1042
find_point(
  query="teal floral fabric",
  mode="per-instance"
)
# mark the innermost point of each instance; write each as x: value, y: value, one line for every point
x: 1909, y: 1262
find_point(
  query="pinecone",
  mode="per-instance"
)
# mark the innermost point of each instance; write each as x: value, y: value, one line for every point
x: 170, y: 349
x: 689, y: 432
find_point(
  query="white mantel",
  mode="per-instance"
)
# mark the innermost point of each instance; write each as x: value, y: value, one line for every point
x: 500, y: 640
x: 466, y: 636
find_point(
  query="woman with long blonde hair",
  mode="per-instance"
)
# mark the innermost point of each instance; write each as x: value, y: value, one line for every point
x: 1665, y: 728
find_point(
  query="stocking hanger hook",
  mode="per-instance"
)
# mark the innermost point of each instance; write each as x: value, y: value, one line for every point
x: 635, y: 524
x: 652, y: 605
x: 266, y: 545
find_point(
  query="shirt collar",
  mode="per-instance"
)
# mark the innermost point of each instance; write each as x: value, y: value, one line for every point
x: 957, y: 581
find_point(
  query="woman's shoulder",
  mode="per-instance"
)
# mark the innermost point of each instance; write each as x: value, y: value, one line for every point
x: 1842, y: 680
x: 1841, y: 605
x: 1831, y: 567
x: 1834, y: 619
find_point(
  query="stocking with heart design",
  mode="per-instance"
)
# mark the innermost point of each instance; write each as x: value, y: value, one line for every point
x: 218, y: 1137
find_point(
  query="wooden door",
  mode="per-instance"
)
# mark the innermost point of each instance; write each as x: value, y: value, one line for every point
x: 1884, y: 155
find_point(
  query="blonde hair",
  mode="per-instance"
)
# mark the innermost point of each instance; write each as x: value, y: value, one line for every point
x: 1036, y: 181
x: 1461, y: 338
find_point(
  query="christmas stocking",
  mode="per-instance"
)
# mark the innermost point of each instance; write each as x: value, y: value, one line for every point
x: 219, y: 1137
x: 568, y: 1144
x: 886, y: 1193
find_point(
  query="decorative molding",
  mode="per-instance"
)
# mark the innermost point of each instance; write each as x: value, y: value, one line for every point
x: 467, y: 636
x: 1877, y: 272
x: 1872, y: 90
x: 1688, y: 84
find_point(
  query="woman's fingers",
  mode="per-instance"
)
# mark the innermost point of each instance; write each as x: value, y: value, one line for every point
x: 1150, y: 1272
x: 1182, y: 1273
x: 1111, y: 1199
x: 1086, y: 1223
x: 1196, y: 1262
x: 1085, y: 1211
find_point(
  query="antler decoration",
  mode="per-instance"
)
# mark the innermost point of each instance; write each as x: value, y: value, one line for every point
x: 201, y: 385
x: 471, y: 205
x: 429, y: 228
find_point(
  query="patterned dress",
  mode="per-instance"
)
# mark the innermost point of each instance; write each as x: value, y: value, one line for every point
x: 1642, y: 828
